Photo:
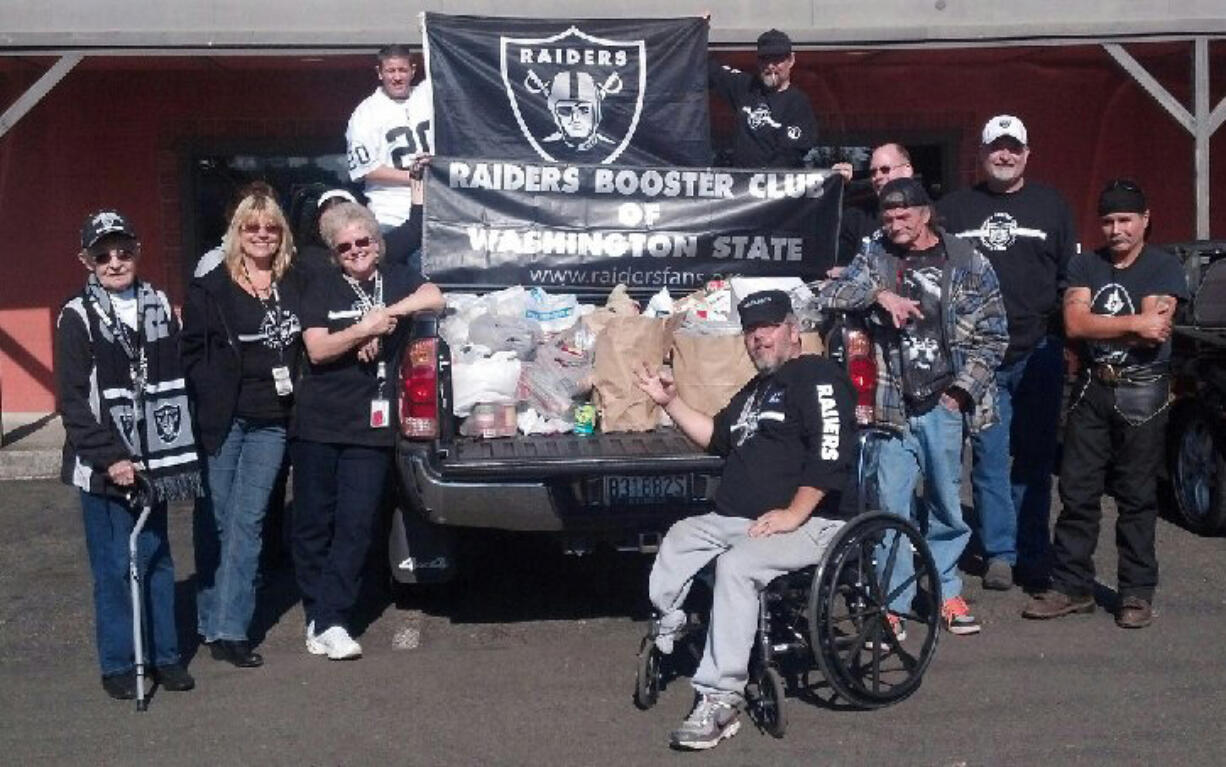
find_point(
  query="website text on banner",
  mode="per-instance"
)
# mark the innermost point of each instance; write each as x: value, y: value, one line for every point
x: 591, y: 226
x: 597, y: 91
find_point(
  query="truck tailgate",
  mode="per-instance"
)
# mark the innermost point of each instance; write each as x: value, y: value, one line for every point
x: 662, y: 450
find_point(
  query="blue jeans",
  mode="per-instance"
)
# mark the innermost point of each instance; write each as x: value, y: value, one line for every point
x: 228, y: 522
x: 108, y: 523
x: 1013, y: 503
x: 930, y: 445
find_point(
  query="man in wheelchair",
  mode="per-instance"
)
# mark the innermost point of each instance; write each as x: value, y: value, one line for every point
x: 788, y: 440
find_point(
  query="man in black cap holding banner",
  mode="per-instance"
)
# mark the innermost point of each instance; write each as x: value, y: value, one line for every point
x: 787, y: 438
x: 774, y: 126
x: 1119, y: 306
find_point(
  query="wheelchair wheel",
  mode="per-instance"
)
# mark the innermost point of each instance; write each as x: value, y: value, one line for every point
x: 766, y: 704
x: 858, y: 651
x: 647, y: 678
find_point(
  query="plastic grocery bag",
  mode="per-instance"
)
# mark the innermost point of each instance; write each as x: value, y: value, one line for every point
x: 501, y: 333
x: 554, y: 313
x: 477, y: 378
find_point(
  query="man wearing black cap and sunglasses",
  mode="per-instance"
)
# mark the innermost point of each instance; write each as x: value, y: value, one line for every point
x: 787, y: 438
x: 1119, y: 306
x: 774, y: 126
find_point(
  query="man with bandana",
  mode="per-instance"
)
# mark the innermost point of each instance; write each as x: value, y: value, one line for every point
x: 1118, y: 307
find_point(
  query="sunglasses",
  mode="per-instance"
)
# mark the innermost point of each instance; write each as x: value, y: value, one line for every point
x: 103, y: 257
x: 342, y: 248
x: 884, y: 170
x: 257, y: 228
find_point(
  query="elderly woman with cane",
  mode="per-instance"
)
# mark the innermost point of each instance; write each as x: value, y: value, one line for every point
x: 343, y: 419
x: 124, y: 405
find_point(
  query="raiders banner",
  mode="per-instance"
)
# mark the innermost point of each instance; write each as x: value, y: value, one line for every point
x: 593, y: 91
x: 489, y: 224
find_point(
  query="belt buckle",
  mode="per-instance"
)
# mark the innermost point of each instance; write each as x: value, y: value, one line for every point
x: 1108, y: 374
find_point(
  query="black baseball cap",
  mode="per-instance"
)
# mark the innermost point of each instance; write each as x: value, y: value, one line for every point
x: 1122, y: 196
x: 903, y: 193
x: 102, y: 223
x: 773, y: 44
x: 766, y: 307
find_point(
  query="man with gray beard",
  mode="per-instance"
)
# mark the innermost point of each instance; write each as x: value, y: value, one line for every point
x: 788, y: 439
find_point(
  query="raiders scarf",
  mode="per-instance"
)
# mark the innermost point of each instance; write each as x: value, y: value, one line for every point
x: 142, y: 389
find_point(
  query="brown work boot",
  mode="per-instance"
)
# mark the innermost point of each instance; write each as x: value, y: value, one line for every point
x: 1135, y: 613
x: 1054, y: 604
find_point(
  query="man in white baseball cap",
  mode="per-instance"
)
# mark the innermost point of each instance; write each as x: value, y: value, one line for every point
x: 1027, y: 231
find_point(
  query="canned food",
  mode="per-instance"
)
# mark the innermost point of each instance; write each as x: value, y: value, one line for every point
x: 585, y: 419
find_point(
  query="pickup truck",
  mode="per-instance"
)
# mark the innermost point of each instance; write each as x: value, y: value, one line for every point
x: 619, y: 489
x: 1196, y: 444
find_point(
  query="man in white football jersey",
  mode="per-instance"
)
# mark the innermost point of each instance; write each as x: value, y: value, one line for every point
x: 389, y: 135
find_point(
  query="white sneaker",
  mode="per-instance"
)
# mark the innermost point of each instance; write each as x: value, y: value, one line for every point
x: 335, y: 643
x: 313, y: 647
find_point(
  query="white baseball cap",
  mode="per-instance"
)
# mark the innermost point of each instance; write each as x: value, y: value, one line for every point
x: 1004, y: 125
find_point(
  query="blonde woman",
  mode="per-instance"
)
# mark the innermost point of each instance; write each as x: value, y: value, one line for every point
x: 241, y: 342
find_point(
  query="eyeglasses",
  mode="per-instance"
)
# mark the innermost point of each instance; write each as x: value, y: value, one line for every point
x: 884, y: 170
x: 342, y: 248
x: 255, y: 228
x: 103, y: 257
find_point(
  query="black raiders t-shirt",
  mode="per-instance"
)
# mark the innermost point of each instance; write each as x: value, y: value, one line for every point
x: 780, y: 432
x: 333, y: 399
x: 1029, y: 237
x: 927, y: 369
x: 269, y: 335
x: 1119, y: 292
x: 772, y: 129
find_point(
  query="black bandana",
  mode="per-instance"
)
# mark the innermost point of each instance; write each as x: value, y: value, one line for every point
x: 1121, y: 196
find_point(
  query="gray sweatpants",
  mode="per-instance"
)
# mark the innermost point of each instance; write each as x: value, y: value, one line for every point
x: 743, y: 568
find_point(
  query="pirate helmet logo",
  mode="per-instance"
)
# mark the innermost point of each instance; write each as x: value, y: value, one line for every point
x: 169, y: 419
x: 576, y: 97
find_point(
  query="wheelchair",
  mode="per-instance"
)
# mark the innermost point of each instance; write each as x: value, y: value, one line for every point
x: 831, y: 617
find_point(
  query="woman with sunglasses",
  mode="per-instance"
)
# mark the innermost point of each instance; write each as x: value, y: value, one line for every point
x: 124, y: 406
x: 343, y: 420
x: 241, y: 343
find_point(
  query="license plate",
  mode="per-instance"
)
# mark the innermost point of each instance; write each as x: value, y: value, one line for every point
x: 646, y: 489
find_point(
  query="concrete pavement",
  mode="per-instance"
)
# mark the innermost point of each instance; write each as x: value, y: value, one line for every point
x: 531, y: 661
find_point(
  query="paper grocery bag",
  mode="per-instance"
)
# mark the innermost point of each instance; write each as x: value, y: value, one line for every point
x: 623, y: 344
x: 710, y: 369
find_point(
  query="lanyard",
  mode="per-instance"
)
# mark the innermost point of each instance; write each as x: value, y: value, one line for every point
x: 272, y: 310
x: 367, y: 301
x: 129, y: 341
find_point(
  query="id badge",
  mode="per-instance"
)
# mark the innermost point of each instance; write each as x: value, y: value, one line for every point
x: 380, y: 410
x: 280, y: 377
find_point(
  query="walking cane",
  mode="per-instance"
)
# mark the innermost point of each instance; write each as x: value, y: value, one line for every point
x: 141, y: 495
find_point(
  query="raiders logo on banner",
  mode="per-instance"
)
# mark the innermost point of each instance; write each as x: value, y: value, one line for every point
x: 592, y: 91
x: 558, y: 87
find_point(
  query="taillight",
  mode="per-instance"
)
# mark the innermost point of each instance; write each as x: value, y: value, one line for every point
x: 419, y: 382
x: 862, y: 370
